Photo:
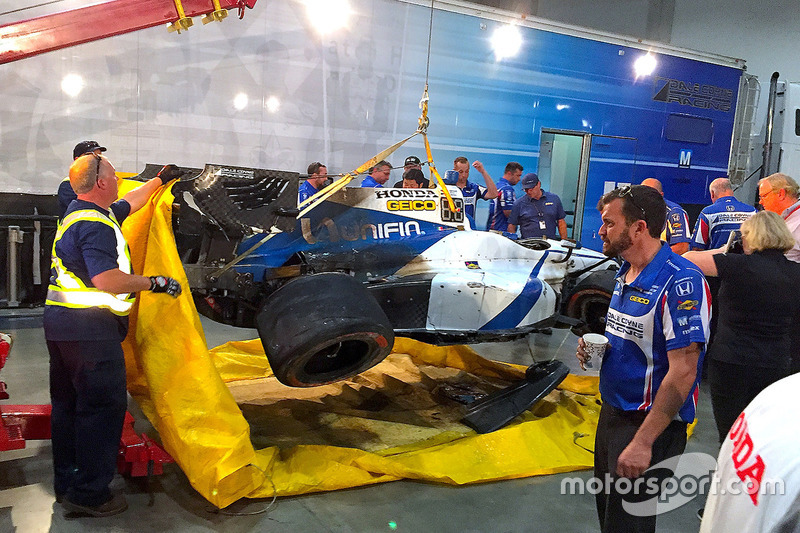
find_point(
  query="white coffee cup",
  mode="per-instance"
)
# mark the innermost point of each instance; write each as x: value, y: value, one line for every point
x: 595, y: 349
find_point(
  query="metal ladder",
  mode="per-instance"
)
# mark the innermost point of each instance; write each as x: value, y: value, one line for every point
x: 749, y: 92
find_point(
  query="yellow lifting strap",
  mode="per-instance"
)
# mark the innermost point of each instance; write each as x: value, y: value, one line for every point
x: 183, y: 22
x: 309, y: 203
x: 424, y: 122
x: 347, y: 178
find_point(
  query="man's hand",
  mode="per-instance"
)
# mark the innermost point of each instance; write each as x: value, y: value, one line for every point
x: 478, y: 166
x: 581, y: 354
x: 165, y: 284
x: 634, y: 459
x: 169, y: 172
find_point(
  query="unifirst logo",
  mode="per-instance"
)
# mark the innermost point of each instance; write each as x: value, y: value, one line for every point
x: 353, y: 233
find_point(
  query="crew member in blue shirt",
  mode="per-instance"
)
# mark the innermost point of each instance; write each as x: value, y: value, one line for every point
x: 676, y: 229
x: 317, y: 175
x: 65, y: 192
x: 92, y: 288
x: 718, y: 220
x: 657, y: 326
x: 538, y: 214
x: 378, y: 175
x: 500, y: 208
x: 472, y: 191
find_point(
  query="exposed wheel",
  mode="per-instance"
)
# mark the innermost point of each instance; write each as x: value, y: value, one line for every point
x: 323, y: 328
x: 590, y: 306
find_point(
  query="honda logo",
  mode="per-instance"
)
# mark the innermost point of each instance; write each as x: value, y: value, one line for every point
x: 685, y: 289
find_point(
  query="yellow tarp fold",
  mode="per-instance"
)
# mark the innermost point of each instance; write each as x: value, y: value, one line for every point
x: 181, y: 387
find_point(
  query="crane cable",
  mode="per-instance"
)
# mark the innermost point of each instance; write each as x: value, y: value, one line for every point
x: 422, y: 128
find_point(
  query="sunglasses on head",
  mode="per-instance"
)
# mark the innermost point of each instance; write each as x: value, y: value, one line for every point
x: 628, y: 191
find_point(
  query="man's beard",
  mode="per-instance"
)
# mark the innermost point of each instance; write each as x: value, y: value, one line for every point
x: 615, y: 248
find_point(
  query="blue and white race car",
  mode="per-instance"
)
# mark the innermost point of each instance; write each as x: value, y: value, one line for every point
x: 330, y: 288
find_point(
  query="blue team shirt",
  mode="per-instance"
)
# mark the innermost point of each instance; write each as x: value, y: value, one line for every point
x: 504, y: 202
x: 527, y: 213
x: 471, y: 192
x: 667, y: 307
x: 369, y: 181
x: 717, y: 220
x: 676, y: 228
x: 86, y: 249
x: 305, y: 191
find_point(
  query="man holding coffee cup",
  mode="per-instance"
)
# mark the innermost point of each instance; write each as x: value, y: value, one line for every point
x: 657, y: 328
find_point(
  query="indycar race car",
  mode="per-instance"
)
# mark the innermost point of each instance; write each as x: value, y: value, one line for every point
x: 329, y: 288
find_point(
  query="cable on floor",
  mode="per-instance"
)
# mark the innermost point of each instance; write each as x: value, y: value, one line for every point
x: 252, y: 513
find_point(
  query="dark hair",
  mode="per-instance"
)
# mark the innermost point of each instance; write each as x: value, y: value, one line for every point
x: 313, y: 168
x: 379, y: 164
x: 461, y: 159
x: 639, y: 202
x: 513, y: 166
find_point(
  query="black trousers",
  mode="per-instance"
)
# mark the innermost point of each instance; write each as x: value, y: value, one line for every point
x: 794, y: 336
x: 615, y: 430
x: 89, y: 398
x: 733, y: 387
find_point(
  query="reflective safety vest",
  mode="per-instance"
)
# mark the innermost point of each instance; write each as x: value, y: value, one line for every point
x: 67, y: 290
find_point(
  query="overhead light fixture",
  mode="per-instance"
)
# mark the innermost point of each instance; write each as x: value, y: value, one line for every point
x: 645, y: 65
x: 506, y: 41
x: 240, y: 101
x: 328, y: 15
x: 272, y: 104
x: 72, y: 84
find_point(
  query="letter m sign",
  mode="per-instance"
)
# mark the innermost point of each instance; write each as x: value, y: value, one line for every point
x: 685, y: 160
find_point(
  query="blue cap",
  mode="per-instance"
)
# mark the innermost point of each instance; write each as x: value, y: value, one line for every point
x: 529, y: 180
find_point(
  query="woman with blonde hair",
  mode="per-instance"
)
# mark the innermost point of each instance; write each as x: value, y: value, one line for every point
x: 757, y: 300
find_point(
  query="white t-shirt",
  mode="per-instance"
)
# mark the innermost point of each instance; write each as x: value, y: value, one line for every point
x: 763, y: 448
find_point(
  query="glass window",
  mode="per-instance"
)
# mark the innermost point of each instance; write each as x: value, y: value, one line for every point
x: 797, y: 122
x: 686, y: 128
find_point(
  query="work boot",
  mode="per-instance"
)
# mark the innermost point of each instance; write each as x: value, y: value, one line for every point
x: 115, y: 505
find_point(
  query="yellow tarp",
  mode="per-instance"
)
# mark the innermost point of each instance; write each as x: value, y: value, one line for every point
x: 182, y: 389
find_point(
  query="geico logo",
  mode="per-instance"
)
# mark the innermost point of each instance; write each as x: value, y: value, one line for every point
x: 411, y: 205
x: 640, y: 300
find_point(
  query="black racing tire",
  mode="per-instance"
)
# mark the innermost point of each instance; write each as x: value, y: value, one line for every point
x: 591, y: 306
x: 322, y: 328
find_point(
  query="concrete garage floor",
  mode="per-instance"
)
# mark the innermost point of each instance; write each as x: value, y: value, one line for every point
x: 27, y: 503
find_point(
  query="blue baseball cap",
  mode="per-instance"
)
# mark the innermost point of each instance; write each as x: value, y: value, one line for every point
x: 529, y: 180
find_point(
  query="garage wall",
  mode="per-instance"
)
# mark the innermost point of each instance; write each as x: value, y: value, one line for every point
x: 766, y: 35
x: 157, y: 97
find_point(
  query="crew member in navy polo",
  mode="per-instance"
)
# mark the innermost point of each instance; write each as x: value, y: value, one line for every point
x: 538, y: 214
x: 378, y: 175
x: 92, y: 288
x: 500, y: 208
x: 719, y: 219
x: 317, y: 174
x: 676, y: 229
x: 472, y: 191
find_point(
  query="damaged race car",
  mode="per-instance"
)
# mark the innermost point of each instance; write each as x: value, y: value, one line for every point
x: 329, y: 288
